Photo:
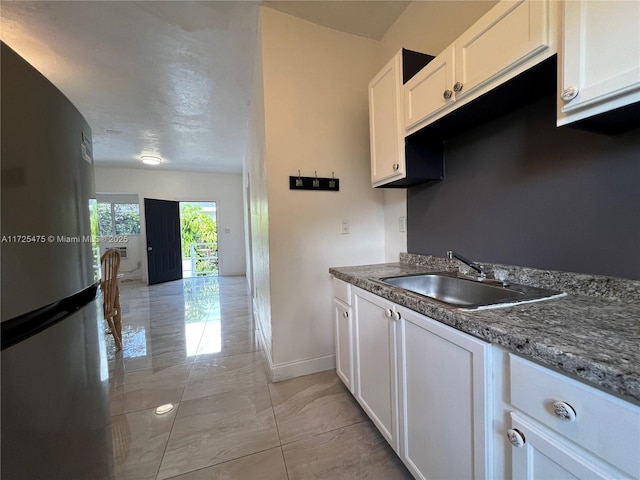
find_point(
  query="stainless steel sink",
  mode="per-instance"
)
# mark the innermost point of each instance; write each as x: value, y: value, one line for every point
x: 460, y: 292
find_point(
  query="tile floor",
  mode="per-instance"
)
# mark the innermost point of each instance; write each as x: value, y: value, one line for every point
x: 193, y: 343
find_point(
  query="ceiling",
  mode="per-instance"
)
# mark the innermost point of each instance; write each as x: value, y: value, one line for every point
x: 169, y: 78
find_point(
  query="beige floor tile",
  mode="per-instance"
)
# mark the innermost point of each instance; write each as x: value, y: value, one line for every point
x: 216, y: 343
x: 139, y: 440
x: 311, y: 405
x: 218, y: 428
x: 224, y: 374
x: 354, y: 452
x: 267, y: 465
x: 147, y: 388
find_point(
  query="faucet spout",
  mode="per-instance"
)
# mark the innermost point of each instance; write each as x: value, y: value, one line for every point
x: 478, y: 268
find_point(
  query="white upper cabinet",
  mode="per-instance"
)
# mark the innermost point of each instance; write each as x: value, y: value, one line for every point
x: 386, y: 131
x: 600, y: 58
x: 509, y: 34
x: 431, y: 90
x: 393, y: 162
x: 509, y: 39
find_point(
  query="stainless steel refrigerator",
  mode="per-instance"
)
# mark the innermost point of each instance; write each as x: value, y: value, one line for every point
x: 55, y: 421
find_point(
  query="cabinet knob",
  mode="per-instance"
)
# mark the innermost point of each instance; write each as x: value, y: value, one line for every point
x: 564, y: 411
x: 569, y: 93
x: 396, y: 166
x: 396, y: 315
x: 447, y: 94
x: 388, y: 313
x: 516, y: 437
x: 345, y: 314
x: 457, y: 87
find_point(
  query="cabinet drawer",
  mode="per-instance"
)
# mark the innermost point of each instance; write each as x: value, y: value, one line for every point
x: 342, y: 291
x: 605, y: 425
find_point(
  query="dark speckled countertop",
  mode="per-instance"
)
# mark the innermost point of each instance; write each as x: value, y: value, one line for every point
x: 592, y: 334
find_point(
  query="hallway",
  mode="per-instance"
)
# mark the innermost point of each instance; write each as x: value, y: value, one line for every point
x: 193, y: 343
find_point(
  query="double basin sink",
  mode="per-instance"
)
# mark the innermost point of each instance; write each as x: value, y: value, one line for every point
x: 448, y: 288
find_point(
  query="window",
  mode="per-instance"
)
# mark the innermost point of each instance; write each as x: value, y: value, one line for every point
x: 118, y: 217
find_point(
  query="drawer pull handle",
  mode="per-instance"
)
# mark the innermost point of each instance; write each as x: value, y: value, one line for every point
x: 387, y: 313
x: 345, y: 314
x: 516, y: 437
x: 396, y: 316
x: 564, y: 411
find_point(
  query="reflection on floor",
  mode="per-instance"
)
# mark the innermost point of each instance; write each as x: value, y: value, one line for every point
x: 193, y: 343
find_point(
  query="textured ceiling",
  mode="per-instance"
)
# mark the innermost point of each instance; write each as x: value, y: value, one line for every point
x: 166, y: 78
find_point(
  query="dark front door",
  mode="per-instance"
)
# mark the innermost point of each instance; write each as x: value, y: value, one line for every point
x: 164, y: 249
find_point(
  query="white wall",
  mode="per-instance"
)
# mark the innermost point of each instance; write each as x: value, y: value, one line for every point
x: 427, y: 27
x: 224, y: 189
x: 255, y: 172
x: 316, y: 118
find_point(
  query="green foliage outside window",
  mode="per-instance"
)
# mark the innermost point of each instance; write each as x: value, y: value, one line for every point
x: 199, y: 227
x: 119, y: 219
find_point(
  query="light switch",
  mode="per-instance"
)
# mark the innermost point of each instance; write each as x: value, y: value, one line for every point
x: 345, y: 227
x: 403, y: 224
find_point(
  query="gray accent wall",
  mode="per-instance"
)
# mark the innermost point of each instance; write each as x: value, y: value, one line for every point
x: 521, y: 191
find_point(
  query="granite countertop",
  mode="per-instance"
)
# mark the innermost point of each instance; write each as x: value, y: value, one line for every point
x: 592, y: 334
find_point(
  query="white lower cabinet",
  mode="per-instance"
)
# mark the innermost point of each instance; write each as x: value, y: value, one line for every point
x: 443, y: 398
x: 376, y: 380
x: 543, y: 455
x: 343, y: 337
x: 455, y: 407
x: 425, y: 386
x: 569, y: 426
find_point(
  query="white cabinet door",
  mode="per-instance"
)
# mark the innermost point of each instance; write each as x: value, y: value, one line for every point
x: 543, y: 455
x: 386, y: 132
x: 512, y: 37
x: 430, y: 90
x: 376, y: 362
x: 600, y: 57
x: 344, y: 359
x: 509, y: 34
x: 444, y: 400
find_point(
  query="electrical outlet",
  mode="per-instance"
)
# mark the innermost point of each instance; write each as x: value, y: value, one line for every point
x: 345, y: 227
x: 403, y: 224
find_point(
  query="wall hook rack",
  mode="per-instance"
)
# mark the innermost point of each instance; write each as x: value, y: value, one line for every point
x: 314, y: 183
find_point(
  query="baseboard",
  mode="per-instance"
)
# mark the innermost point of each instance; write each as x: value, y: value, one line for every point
x: 307, y: 366
x: 236, y: 273
x: 297, y: 368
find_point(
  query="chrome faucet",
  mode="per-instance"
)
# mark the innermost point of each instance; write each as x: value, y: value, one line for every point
x: 478, y: 268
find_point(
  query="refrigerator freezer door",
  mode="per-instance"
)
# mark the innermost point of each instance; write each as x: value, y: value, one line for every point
x: 47, y: 183
x: 55, y: 402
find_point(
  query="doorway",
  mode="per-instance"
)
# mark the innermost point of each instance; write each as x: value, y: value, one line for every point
x: 199, y: 239
x: 162, y: 221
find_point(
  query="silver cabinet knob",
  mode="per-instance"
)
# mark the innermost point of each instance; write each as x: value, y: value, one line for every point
x: 447, y: 94
x: 345, y: 314
x: 396, y: 166
x: 457, y: 87
x: 569, y: 93
x: 149, y: 249
x: 388, y: 313
x: 396, y: 316
x: 564, y: 411
x: 516, y: 437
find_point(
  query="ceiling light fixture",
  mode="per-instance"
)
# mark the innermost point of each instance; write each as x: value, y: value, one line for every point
x: 150, y: 160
